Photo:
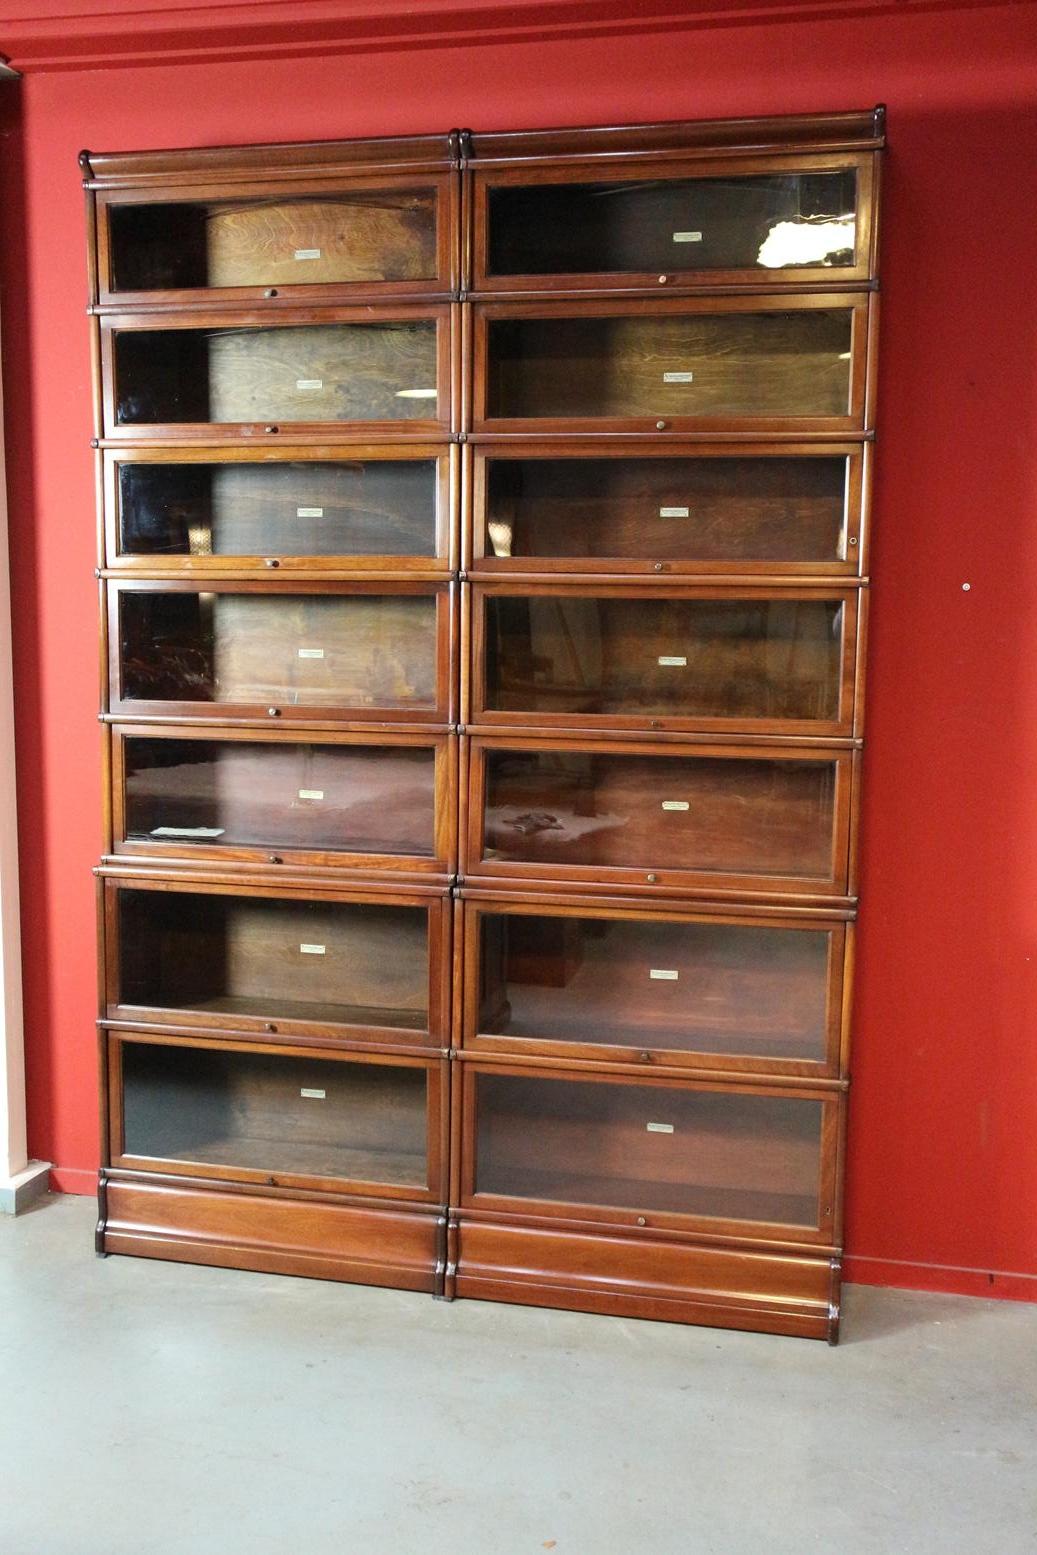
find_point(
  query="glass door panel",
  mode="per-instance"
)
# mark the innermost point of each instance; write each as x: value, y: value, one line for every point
x: 674, y: 1150
x: 335, y: 372
x: 758, y: 817
x: 263, y: 1112
x: 332, y: 651
x: 696, y: 365
x: 789, y: 220
x: 358, y: 508
x: 694, y: 510
x: 313, y: 798
x: 774, y: 660
x: 737, y: 990
x: 358, y: 236
x: 332, y: 963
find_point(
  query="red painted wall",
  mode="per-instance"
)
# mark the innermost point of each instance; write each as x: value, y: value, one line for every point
x: 942, y: 1169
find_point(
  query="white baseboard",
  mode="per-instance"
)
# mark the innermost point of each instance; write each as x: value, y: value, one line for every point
x: 24, y: 1187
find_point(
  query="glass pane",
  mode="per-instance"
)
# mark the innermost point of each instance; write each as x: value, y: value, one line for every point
x: 774, y: 221
x: 782, y: 510
x: 756, y: 817
x: 708, y: 658
x: 373, y: 508
x: 316, y: 372
x: 676, y: 1151
x: 259, y: 1112
x: 320, y: 798
x: 340, y: 962
x: 700, y: 364
x: 308, y: 650
x: 717, y: 988
x: 361, y: 235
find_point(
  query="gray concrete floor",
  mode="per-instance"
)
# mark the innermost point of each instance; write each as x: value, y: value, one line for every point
x: 157, y: 1409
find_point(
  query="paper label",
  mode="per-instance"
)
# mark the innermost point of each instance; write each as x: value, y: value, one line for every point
x: 416, y: 394
x: 188, y: 831
x: 309, y: 384
x: 674, y: 512
x: 662, y: 974
x: 307, y: 253
x: 687, y: 237
x: 678, y: 377
x: 311, y: 653
x: 309, y: 512
x: 313, y: 950
x: 311, y: 793
x: 676, y: 804
x: 673, y: 660
x: 312, y: 1092
x: 659, y: 1128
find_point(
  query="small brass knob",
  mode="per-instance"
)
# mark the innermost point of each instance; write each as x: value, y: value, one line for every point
x: 275, y: 858
x: 660, y: 566
x: 663, y: 280
x: 853, y: 540
x: 652, y: 879
x: 271, y: 430
x: 273, y: 712
x: 660, y: 426
x: 641, y: 1220
x: 644, y: 1056
x: 272, y: 561
x: 271, y: 291
x: 269, y: 1026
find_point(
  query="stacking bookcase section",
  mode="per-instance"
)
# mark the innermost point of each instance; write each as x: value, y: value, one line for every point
x: 367, y: 966
x: 701, y: 509
x: 308, y: 510
x: 758, y: 364
x: 683, y: 819
x: 483, y: 557
x: 779, y: 662
x: 574, y: 981
x: 317, y: 802
x: 316, y: 652
x: 219, y: 376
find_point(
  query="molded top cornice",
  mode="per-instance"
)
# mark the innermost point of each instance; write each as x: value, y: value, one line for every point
x: 38, y: 35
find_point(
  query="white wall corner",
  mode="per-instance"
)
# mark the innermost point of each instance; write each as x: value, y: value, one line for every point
x: 20, y: 1180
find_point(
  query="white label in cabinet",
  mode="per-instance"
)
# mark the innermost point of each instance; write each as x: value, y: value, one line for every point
x: 311, y: 653
x: 313, y: 950
x: 676, y: 804
x: 309, y: 385
x: 678, y: 377
x: 673, y: 660
x: 313, y: 1093
x: 311, y: 793
x: 674, y: 512
x: 308, y: 253
x: 309, y: 512
x: 663, y: 974
x: 659, y: 1128
x: 687, y: 237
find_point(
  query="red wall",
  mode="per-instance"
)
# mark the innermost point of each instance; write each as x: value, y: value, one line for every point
x: 942, y: 1169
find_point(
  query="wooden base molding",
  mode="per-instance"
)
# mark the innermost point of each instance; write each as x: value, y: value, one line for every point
x: 242, y: 1230
x: 665, y: 1281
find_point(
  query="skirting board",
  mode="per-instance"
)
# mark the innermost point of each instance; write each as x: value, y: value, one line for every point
x: 24, y: 1188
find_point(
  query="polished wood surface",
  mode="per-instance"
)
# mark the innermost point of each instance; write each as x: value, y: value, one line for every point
x: 484, y: 542
x: 697, y: 510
